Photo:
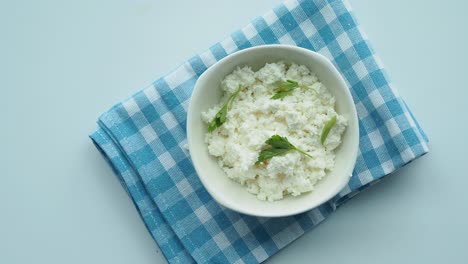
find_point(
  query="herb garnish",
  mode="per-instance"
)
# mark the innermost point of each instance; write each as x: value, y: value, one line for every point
x: 220, y: 117
x: 277, y: 146
x: 326, y: 129
x: 284, y: 89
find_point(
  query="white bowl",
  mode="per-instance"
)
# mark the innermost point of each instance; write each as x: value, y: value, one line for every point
x: 207, y: 93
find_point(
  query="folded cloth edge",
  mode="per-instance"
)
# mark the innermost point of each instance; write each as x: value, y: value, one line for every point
x: 336, y: 202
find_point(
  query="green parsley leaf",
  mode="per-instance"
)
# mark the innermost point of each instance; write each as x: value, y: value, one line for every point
x: 220, y: 117
x: 280, y: 142
x: 280, y: 95
x: 284, y: 89
x: 326, y: 129
x: 277, y: 146
x: 269, y: 153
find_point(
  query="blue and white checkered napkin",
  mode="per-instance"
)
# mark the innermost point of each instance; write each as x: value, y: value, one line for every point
x: 143, y: 138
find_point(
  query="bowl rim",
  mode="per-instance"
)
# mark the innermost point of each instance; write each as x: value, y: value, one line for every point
x: 317, y: 202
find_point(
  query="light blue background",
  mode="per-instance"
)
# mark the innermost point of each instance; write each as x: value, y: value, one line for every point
x: 62, y: 63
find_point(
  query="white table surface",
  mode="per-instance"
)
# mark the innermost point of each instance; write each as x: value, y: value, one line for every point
x: 62, y: 63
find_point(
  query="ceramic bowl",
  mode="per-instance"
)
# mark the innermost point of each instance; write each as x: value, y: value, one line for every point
x: 207, y: 92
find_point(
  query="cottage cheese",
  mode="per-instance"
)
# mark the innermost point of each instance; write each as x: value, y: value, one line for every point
x: 254, y: 117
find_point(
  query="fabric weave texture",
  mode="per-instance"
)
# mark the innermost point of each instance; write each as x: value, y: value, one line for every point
x: 143, y: 139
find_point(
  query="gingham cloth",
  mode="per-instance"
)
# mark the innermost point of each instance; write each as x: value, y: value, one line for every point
x: 143, y: 139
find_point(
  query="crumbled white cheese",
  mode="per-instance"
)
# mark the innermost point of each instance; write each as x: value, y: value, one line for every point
x: 254, y: 117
